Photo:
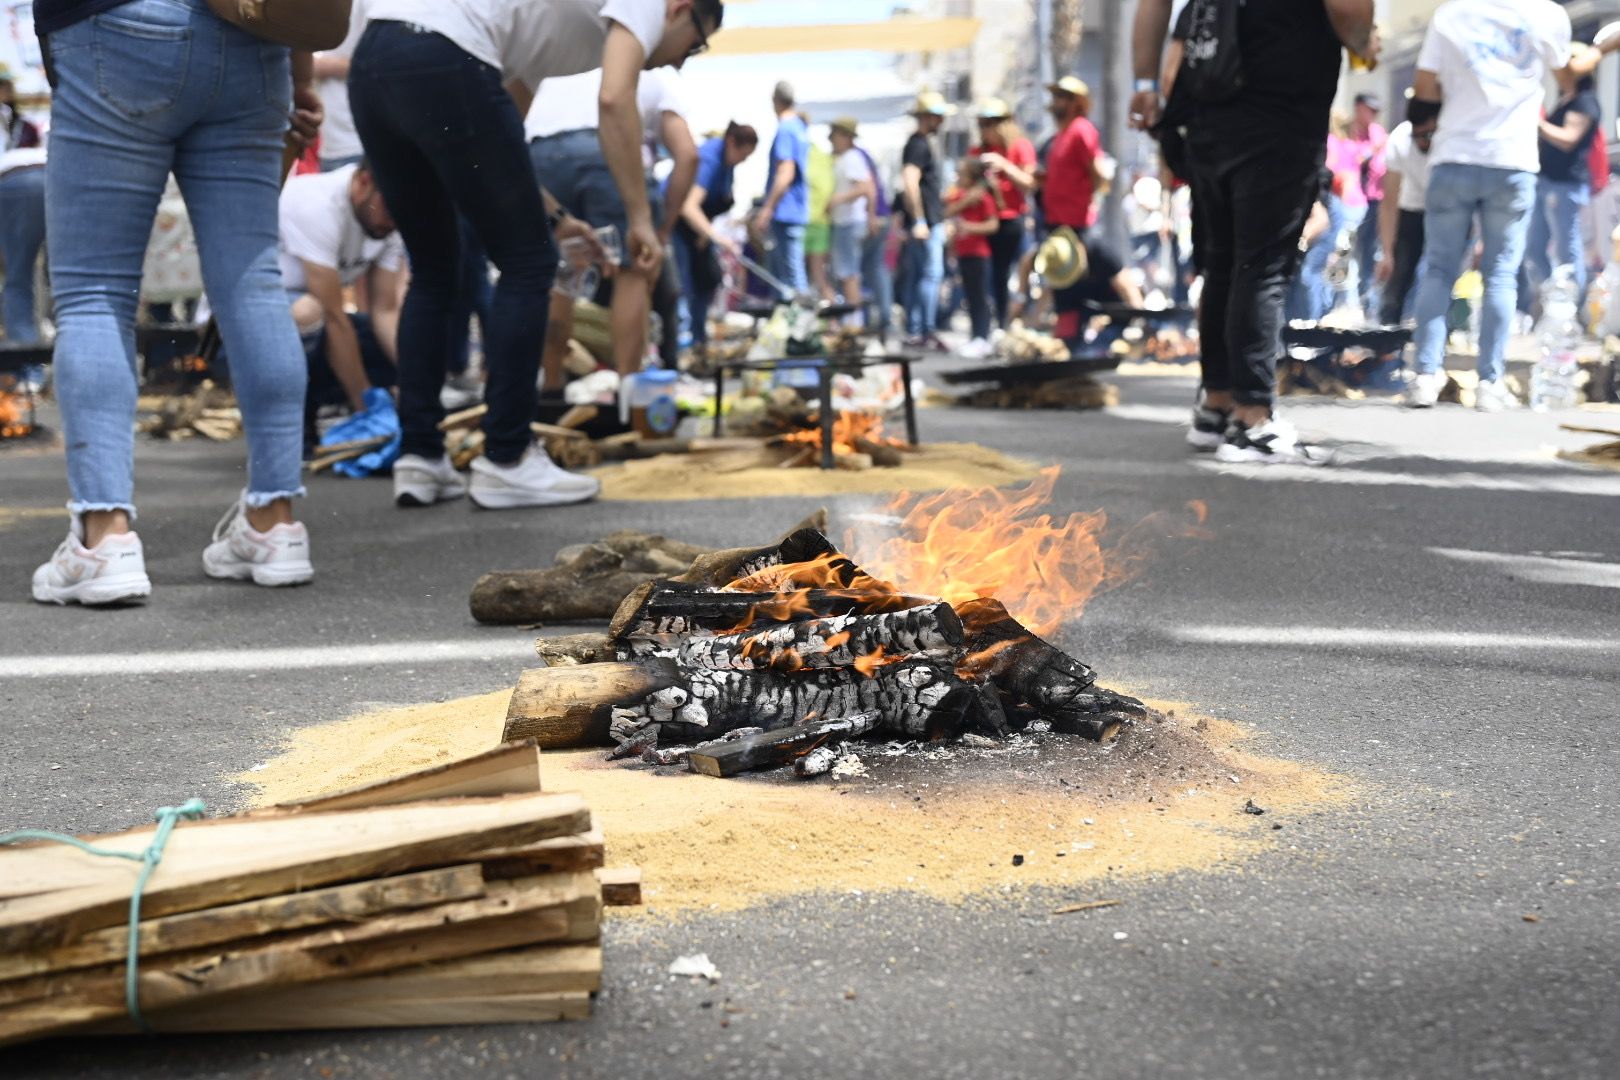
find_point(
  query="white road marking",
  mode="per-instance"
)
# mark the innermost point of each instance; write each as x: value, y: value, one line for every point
x: 268, y: 660
x: 1152, y: 414
x: 1539, y: 568
x: 1344, y: 637
x: 1559, y: 482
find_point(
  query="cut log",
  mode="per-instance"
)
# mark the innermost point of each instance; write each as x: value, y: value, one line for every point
x: 587, y: 584
x: 915, y: 699
x: 771, y: 749
x: 575, y: 649
x: 664, y: 608
x: 883, y: 455
x: 721, y: 568
x: 464, y: 418
x: 1035, y: 673
x: 509, y: 769
x: 274, y: 914
x: 838, y: 642
x: 60, y: 894
x: 572, y: 706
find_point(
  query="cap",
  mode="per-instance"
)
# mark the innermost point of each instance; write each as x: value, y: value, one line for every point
x: 1062, y: 259
x: 993, y: 109
x: 846, y: 124
x: 1072, y: 85
x: 932, y: 103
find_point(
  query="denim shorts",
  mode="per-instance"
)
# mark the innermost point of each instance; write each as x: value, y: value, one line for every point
x: 570, y: 165
x: 847, y: 241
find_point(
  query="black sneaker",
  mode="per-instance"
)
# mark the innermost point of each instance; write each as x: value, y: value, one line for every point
x: 1208, y: 429
x: 1274, y: 442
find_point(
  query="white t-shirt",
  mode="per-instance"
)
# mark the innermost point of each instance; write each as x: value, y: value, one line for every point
x: 318, y: 226
x: 1401, y: 156
x: 530, y: 40
x: 1492, y: 58
x: 568, y: 103
x: 339, y: 140
x: 849, y: 171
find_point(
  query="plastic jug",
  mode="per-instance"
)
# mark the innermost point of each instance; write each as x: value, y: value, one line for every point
x: 647, y: 403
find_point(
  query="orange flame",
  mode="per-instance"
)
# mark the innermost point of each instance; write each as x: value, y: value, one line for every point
x: 847, y: 427
x: 15, y: 415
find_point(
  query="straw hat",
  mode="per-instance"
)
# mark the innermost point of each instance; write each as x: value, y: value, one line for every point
x: 1071, y: 85
x: 845, y: 124
x: 932, y: 103
x: 993, y: 108
x: 1062, y: 260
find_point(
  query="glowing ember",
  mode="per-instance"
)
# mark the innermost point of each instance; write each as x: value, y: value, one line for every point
x: 847, y: 428
x: 16, y: 415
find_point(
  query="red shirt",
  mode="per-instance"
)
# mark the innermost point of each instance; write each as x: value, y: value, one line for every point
x: 968, y: 246
x: 1067, y: 193
x: 1022, y: 154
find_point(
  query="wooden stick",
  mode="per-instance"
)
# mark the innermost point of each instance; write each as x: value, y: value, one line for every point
x: 575, y: 649
x: 556, y: 432
x: 578, y: 416
x: 465, y: 418
x: 771, y: 749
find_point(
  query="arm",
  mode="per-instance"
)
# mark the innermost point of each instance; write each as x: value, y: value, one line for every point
x: 676, y: 136
x: 863, y: 189
x: 1426, y: 86
x: 342, y: 343
x: 692, y: 212
x: 964, y: 199
x: 978, y: 228
x: 307, y: 112
x: 1389, y: 216
x: 1127, y: 289
x: 620, y: 133
x: 1353, y: 21
x: 1022, y: 178
x: 521, y: 95
x: 385, y: 297
x: 1147, y: 46
x: 331, y: 66
x: 1569, y: 135
x: 911, y: 181
x: 781, y: 180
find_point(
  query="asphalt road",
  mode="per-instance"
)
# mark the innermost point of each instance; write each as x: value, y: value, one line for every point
x: 1434, y: 615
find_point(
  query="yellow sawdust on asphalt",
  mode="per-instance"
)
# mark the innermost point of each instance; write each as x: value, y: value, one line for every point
x: 11, y: 515
x: 1168, y: 797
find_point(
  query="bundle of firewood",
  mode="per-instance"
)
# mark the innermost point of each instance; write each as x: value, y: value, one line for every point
x: 1022, y: 345
x: 454, y: 896
x: 209, y: 411
x: 760, y: 656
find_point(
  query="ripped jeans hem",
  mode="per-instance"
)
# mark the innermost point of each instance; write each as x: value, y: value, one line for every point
x: 258, y: 500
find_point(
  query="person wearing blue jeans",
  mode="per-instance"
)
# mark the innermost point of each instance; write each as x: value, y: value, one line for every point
x: 786, y: 210
x: 922, y: 215
x: 1555, y: 230
x: 1502, y: 198
x: 926, y: 273
x: 22, y: 234
x: 141, y: 89
x: 1564, y: 187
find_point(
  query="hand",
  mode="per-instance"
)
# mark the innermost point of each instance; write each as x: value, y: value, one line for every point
x: 993, y: 160
x: 1146, y: 108
x: 646, y: 253
x: 875, y: 226
x: 920, y: 231
x: 1384, y: 270
x: 763, y: 219
x: 724, y: 242
x: 307, y: 114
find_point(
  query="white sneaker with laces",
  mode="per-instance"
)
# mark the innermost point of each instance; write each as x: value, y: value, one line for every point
x: 420, y: 482
x: 1492, y: 396
x: 279, y: 556
x: 535, y: 480
x: 1208, y: 428
x: 112, y: 572
x: 1274, y: 442
x: 977, y: 349
x: 1424, y: 390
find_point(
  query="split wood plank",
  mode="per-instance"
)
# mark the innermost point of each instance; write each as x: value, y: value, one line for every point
x: 254, y: 918
x: 232, y: 859
x: 288, y: 1013
x: 563, y: 855
x: 621, y: 885
x: 463, y: 418
x: 556, y: 431
x: 554, y: 908
x: 509, y: 769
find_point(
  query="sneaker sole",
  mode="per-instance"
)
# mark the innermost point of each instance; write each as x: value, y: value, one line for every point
x: 517, y: 500
x: 1205, y: 441
x: 97, y: 592
x: 419, y: 495
x: 1232, y: 455
x: 271, y: 577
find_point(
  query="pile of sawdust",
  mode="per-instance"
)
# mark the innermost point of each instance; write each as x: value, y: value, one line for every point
x: 11, y: 515
x: 945, y: 821
x: 932, y: 467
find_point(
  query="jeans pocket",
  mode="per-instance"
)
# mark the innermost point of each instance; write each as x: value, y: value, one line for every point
x: 276, y: 62
x: 140, y: 68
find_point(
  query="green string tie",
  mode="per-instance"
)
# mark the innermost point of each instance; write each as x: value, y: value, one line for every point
x: 167, y: 817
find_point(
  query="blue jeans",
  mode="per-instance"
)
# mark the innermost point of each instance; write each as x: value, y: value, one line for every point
x: 1313, y: 297
x: 149, y: 87
x: 22, y: 233
x: 570, y: 165
x: 878, y: 281
x: 1555, y: 224
x: 696, y: 300
x: 787, y: 257
x: 1503, y: 199
x: 925, y: 271
x: 444, y: 139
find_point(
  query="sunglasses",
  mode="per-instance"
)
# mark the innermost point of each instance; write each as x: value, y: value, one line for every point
x: 702, y: 45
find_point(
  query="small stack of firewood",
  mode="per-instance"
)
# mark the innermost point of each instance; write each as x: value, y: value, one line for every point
x: 757, y: 656
x: 459, y: 895
x: 209, y: 411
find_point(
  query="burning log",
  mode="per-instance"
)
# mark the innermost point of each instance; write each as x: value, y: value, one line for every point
x: 845, y: 641
x: 770, y: 749
x: 804, y: 543
x: 573, y: 706
x: 662, y: 609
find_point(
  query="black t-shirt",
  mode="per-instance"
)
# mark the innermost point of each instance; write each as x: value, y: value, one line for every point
x: 1291, y: 59
x: 53, y: 15
x: 919, y: 151
x: 1102, y: 266
x: 1572, y: 166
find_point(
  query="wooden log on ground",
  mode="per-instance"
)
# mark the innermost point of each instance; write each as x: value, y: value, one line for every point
x: 575, y: 649
x: 572, y: 706
x: 839, y: 642
x: 721, y: 568
x: 665, y: 608
x: 771, y: 749
x: 587, y: 584
x: 883, y: 455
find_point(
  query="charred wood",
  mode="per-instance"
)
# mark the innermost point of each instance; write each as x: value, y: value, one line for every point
x: 841, y: 641
x: 773, y: 748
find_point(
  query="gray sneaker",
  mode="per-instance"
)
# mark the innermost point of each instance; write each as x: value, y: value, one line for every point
x: 421, y: 482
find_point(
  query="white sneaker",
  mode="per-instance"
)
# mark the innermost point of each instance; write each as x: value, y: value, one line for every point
x: 112, y: 572
x: 240, y: 552
x: 1274, y: 442
x: 536, y: 480
x: 1492, y: 396
x: 1209, y: 427
x: 1424, y: 390
x: 977, y: 349
x: 420, y: 482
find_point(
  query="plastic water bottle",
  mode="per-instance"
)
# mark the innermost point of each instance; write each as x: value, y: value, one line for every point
x: 1558, y: 335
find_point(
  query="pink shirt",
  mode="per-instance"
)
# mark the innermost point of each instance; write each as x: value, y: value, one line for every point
x: 1347, y: 156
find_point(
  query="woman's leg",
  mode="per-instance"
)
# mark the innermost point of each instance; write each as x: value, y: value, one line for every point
x: 1005, y: 247
x: 22, y: 230
x: 975, y: 283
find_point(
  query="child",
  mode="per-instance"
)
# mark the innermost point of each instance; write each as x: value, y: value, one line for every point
x: 973, y: 207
